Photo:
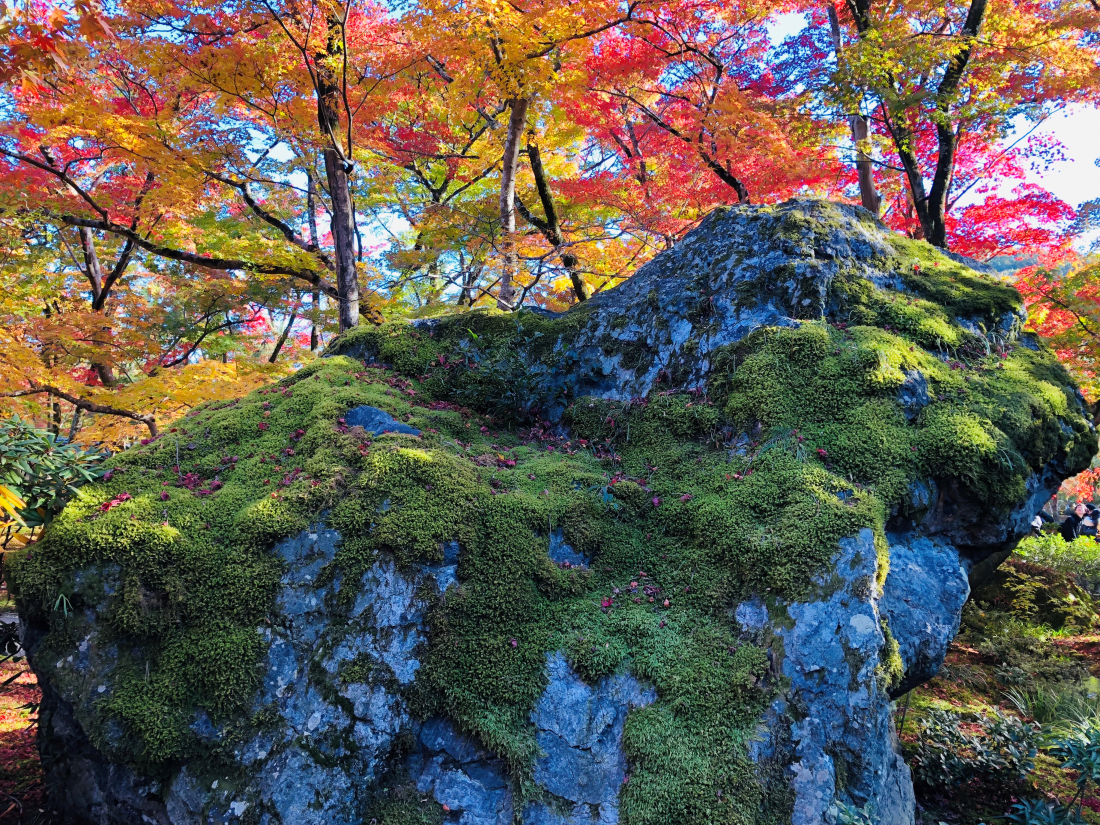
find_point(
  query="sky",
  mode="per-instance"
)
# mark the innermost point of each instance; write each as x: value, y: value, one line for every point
x: 1076, y: 179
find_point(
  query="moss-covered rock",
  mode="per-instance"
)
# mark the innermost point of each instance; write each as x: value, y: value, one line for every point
x: 646, y: 501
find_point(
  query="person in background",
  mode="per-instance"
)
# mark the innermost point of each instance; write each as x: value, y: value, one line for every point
x: 1088, y: 523
x: 1071, y: 527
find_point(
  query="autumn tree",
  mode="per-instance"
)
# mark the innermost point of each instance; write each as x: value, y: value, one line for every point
x: 1063, y: 301
x: 106, y: 347
x: 110, y: 174
x: 38, y: 38
x: 697, y: 71
x: 525, y: 51
x: 937, y: 82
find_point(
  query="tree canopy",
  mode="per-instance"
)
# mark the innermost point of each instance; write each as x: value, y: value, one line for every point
x: 195, y: 195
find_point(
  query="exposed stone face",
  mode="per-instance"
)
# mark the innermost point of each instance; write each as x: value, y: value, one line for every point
x: 317, y: 721
x: 580, y: 732
x: 456, y: 772
x: 579, y: 729
x: 328, y: 740
x: 335, y: 714
x: 376, y: 421
x: 740, y: 270
x: 836, y: 710
x: 922, y: 603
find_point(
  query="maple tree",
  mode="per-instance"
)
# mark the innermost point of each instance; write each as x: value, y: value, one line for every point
x: 157, y: 180
x: 34, y: 37
x: 941, y: 85
x: 123, y: 350
x: 1063, y: 300
x: 201, y: 189
x: 698, y: 72
x: 507, y: 57
x: 85, y: 203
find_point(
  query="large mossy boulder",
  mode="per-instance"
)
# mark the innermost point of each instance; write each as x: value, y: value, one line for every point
x: 664, y: 558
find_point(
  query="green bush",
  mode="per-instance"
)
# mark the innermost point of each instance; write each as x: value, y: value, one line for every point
x: 1079, y: 558
x: 950, y: 752
x: 1038, y: 594
x: 42, y: 469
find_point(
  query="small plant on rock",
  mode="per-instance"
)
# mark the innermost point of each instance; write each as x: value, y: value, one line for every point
x: 42, y: 471
x: 847, y: 814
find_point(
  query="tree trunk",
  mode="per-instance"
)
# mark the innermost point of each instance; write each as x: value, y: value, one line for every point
x: 551, y: 227
x: 74, y: 427
x: 946, y: 134
x: 941, y: 186
x: 868, y: 196
x: 930, y: 206
x: 314, y: 337
x: 339, y: 187
x: 93, y: 270
x: 343, y: 236
x: 286, y: 334
x: 903, y: 141
x: 516, y: 122
x: 315, y: 307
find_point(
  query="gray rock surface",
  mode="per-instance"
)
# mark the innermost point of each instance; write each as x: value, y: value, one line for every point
x: 913, y: 394
x: 454, y: 771
x: 922, y: 602
x: 331, y: 736
x: 321, y: 717
x: 325, y: 718
x: 740, y: 270
x: 834, y: 724
x: 561, y: 553
x: 579, y: 729
x: 376, y: 421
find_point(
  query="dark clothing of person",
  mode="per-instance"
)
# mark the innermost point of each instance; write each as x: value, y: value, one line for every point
x: 1071, y: 527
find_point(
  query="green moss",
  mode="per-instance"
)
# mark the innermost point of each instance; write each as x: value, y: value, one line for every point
x: 992, y: 420
x: 688, y: 752
x: 891, y: 668
x: 959, y: 290
x: 403, y: 806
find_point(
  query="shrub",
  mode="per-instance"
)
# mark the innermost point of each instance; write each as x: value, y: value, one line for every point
x: 1042, y: 812
x: 1079, y: 558
x: 1038, y: 594
x: 42, y: 469
x: 950, y: 751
